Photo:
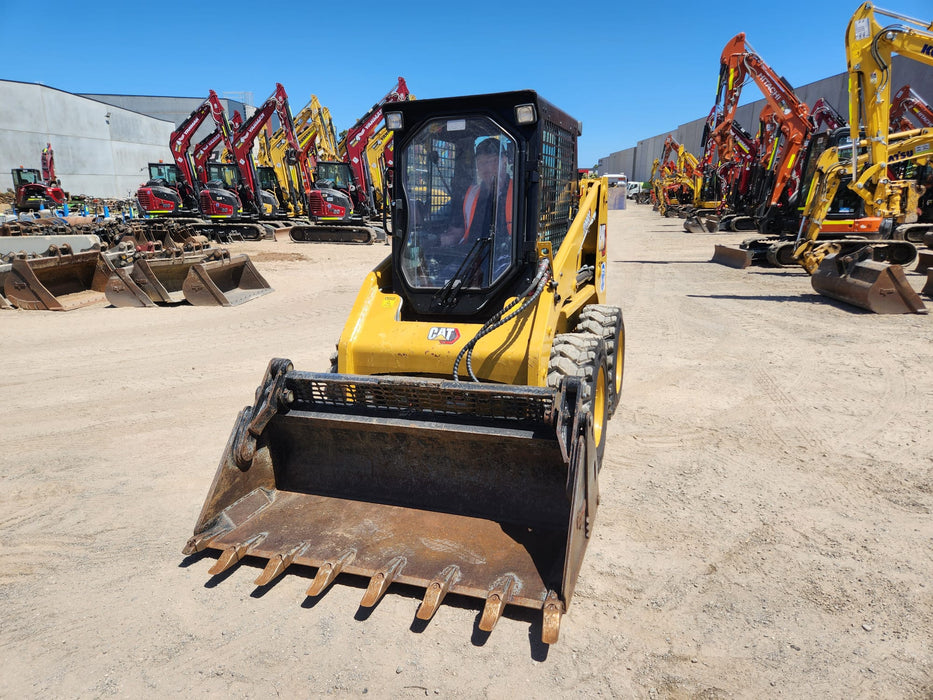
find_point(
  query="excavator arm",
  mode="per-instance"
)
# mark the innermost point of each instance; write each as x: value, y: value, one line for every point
x: 740, y: 61
x: 360, y: 134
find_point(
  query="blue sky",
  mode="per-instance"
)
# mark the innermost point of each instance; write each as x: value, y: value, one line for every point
x: 627, y: 70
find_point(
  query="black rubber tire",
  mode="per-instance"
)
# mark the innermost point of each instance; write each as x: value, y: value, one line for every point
x: 606, y: 322
x: 583, y: 355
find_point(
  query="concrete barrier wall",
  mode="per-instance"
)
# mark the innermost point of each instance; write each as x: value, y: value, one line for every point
x: 100, y: 150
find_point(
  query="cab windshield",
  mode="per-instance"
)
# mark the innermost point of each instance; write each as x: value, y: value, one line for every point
x: 338, y: 173
x: 457, y: 181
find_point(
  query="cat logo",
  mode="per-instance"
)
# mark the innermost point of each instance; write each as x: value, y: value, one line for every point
x: 446, y: 336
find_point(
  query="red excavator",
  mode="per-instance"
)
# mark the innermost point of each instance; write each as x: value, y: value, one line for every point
x: 35, y: 190
x: 186, y: 195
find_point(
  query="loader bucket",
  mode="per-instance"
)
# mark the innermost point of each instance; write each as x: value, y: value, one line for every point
x: 732, y: 256
x: 486, y: 491
x: 62, y: 282
x: 876, y: 286
x: 227, y: 282
x: 151, y: 281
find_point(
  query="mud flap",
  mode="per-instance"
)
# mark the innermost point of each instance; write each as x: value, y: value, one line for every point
x: 480, y: 490
x: 868, y: 284
x: 61, y: 282
x: 226, y: 282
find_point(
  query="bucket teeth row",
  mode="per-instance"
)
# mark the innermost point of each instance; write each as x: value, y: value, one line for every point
x: 498, y: 597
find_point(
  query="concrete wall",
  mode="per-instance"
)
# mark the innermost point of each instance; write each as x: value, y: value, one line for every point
x: 100, y: 150
x: 834, y: 90
x: 173, y: 109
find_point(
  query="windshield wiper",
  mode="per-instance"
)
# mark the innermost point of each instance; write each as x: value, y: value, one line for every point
x: 447, y: 295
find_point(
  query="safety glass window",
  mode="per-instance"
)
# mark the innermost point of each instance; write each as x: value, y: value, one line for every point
x: 457, y: 183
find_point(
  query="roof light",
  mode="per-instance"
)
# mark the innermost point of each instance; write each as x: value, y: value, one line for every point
x: 393, y: 121
x: 525, y: 114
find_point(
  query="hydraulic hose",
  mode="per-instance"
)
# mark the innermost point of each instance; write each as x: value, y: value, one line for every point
x: 526, y: 299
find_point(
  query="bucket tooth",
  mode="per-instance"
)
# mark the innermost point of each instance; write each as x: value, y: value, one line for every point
x: 231, y: 555
x: 496, y: 600
x: 200, y: 542
x: 328, y: 571
x: 436, y: 591
x: 552, y: 614
x: 278, y: 563
x: 379, y: 583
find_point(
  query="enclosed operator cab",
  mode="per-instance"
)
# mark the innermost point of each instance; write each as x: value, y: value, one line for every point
x: 478, y: 181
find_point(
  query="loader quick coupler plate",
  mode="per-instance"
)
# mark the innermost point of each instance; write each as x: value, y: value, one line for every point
x: 482, y: 490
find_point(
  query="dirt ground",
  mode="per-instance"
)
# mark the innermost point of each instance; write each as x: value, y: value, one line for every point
x: 764, y: 531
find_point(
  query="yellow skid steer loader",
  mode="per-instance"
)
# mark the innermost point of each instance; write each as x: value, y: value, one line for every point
x: 455, y: 443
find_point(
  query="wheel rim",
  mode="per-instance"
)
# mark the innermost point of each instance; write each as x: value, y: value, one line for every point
x: 599, y: 406
x: 617, y: 369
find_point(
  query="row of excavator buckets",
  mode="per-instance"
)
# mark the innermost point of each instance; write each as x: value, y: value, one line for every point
x: 67, y: 270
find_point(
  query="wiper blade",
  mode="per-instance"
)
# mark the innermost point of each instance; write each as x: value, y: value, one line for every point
x: 447, y: 295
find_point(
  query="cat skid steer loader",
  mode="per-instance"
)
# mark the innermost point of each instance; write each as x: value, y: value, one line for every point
x: 456, y: 441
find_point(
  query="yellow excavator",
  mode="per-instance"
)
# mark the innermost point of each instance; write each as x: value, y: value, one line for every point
x: 454, y: 444
x: 875, y: 167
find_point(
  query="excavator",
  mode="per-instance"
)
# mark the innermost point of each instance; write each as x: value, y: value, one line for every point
x: 205, y: 204
x: 866, y: 273
x: 354, y: 148
x: 343, y: 199
x: 785, y: 131
x: 34, y: 190
x: 455, y: 443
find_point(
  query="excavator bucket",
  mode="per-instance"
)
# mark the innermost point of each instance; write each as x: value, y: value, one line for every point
x: 226, y: 282
x: 924, y: 261
x: 928, y: 287
x: 732, y: 256
x: 61, y: 282
x: 486, y: 491
x: 150, y: 281
x: 876, y: 286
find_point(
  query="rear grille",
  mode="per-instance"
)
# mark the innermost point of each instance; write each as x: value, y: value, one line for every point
x: 316, y: 203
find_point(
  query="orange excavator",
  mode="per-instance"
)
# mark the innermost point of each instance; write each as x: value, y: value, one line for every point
x: 784, y: 133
